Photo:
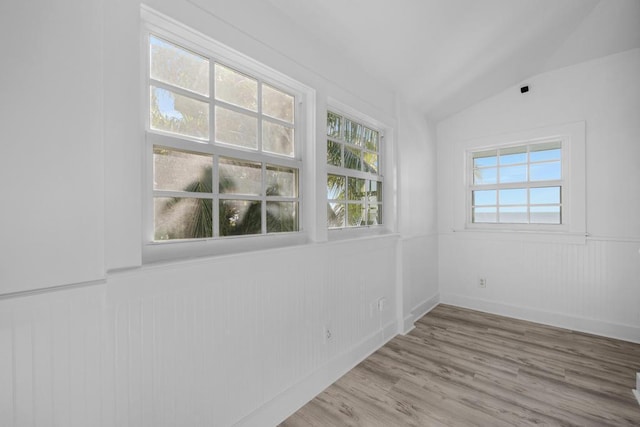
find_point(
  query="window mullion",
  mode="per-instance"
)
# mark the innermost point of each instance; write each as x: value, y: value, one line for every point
x: 178, y: 90
x: 215, y: 176
x: 263, y: 203
x: 181, y: 194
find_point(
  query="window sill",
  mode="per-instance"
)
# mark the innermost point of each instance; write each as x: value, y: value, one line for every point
x: 183, y: 250
x: 548, y: 236
x: 340, y: 234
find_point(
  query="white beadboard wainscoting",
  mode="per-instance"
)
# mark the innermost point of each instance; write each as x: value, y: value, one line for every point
x: 419, y: 281
x: 203, y: 342
x: 591, y: 287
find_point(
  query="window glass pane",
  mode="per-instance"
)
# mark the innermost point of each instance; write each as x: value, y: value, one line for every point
x: 277, y: 139
x: 236, y: 128
x: 545, y: 171
x: 335, y: 215
x: 545, y: 215
x: 240, y: 217
x: 374, y: 191
x: 485, y: 215
x: 370, y: 162
x: 282, y: 217
x: 355, y: 189
x: 335, y: 187
x: 485, y: 158
x: 371, y: 138
x: 372, y: 216
x: 485, y: 176
x: 352, y: 158
x: 178, y: 67
x: 236, y: 88
x: 171, y: 112
x: 514, y: 215
x: 240, y: 177
x: 354, y: 132
x: 517, y: 196
x: 182, y: 218
x: 484, y: 197
x: 545, y: 196
x: 513, y: 174
x: 545, y: 151
x: 540, y: 156
x: 334, y: 153
x: 333, y: 124
x: 513, y: 155
x: 277, y: 104
x: 282, y: 181
x: 180, y: 171
x: 355, y: 214
x: 374, y: 213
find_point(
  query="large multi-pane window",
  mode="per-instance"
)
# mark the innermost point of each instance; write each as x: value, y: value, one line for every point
x: 517, y: 184
x: 354, y: 182
x: 223, y: 142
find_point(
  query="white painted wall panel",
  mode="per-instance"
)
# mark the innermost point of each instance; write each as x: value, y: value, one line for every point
x: 417, y: 194
x: 222, y: 340
x: 420, y: 276
x: 594, y: 286
x: 51, y: 168
x: 198, y: 343
x: 6, y: 369
x: 50, y: 348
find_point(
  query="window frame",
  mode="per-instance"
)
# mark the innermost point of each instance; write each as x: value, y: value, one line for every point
x: 154, y: 23
x: 573, y: 137
x: 361, y: 119
x: 528, y: 184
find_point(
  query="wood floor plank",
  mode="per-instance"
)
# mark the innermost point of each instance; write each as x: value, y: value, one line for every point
x: 464, y: 367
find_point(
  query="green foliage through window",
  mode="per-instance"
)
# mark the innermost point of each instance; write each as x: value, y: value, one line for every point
x: 354, y: 184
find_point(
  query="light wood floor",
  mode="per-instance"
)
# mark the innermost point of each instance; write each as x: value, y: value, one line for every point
x: 462, y: 367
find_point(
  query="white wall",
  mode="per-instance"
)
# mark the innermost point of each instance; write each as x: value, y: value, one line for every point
x: 418, y: 214
x: 593, y: 286
x: 202, y: 342
x: 51, y: 168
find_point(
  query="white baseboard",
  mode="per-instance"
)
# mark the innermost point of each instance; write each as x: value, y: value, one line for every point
x: 286, y: 403
x: 575, y: 323
x: 419, y: 311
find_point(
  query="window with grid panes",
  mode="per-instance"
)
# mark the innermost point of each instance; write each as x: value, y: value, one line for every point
x: 517, y: 184
x: 223, y: 141
x: 354, y: 182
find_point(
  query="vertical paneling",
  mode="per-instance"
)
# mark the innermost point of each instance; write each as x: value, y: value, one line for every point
x: 598, y: 281
x: 6, y: 369
x: 201, y: 343
x: 50, y: 359
x: 208, y: 342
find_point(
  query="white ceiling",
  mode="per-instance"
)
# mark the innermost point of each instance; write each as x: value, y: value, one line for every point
x: 445, y: 55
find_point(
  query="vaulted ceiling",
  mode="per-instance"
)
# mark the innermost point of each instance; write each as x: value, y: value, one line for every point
x: 444, y: 55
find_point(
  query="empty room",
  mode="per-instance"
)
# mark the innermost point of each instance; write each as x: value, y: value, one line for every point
x: 320, y: 213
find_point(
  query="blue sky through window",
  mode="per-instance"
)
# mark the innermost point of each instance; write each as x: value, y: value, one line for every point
x: 166, y: 103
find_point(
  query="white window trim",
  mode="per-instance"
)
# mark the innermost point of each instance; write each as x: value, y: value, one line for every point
x: 572, y: 136
x: 160, y: 25
x: 386, y: 174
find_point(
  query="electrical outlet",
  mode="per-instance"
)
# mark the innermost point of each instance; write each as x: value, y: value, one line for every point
x: 327, y: 334
x: 482, y: 282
